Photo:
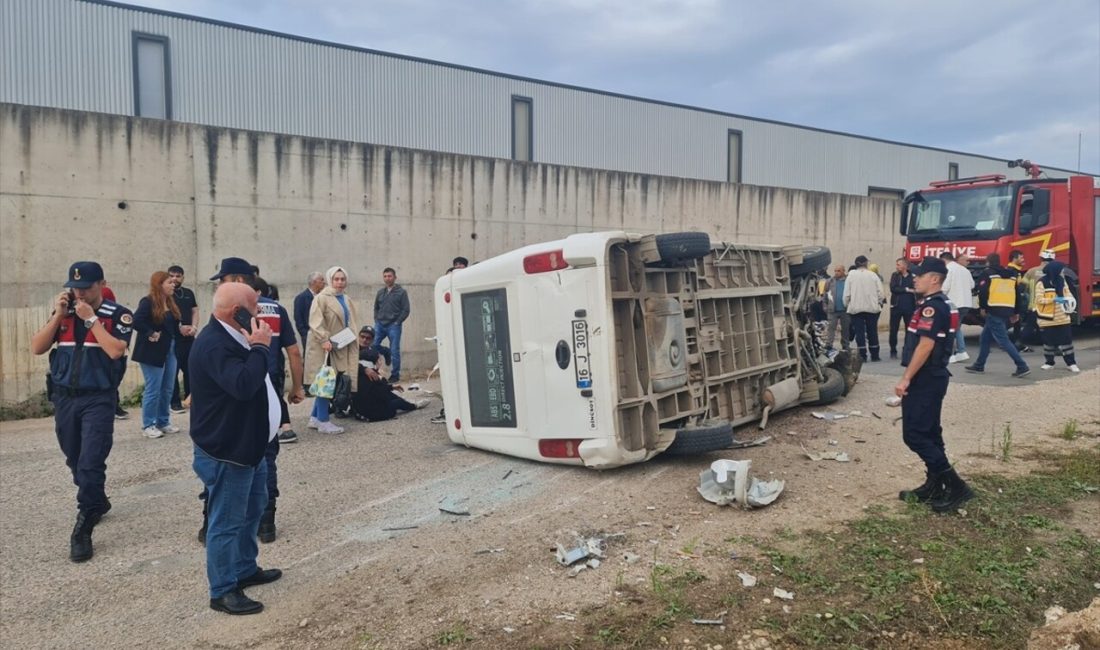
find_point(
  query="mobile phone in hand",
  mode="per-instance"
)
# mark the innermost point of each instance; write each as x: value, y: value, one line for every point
x: 72, y: 302
x: 244, y: 319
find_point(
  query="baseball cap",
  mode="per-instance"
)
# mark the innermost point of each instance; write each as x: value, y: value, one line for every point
x: 1046, y: 254
x: 366, y: 329
x: 233, y: 266
x: 83, y: 275
x: 930, y: 265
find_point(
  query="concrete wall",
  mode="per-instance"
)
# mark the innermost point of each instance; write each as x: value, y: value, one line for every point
x: 138, y: 195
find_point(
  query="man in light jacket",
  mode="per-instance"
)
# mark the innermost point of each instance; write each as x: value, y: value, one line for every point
x: 863, y: 299
x: 959, y: 289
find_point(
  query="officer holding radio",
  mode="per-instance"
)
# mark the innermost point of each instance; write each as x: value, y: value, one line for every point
x: 91, y: 336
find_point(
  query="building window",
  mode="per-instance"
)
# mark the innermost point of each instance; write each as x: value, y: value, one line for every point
x: 952, y: 171
x: 733, y: 156
x: 152, y: 76
x: 888, y: 193
x: 523, y: 138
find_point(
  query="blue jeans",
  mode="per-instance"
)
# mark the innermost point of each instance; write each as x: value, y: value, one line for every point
x: 960, y: 340
x: 996, y: 329
x: 160, y: 383
x: 236, y: 497
x: 320, y: 409
x: 393, y: 332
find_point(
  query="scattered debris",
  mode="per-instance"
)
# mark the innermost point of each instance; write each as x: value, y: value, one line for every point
x: 877, y: 416
x: 392, y: 528
x: 1054, y: 613
x: 834, y: 443
x: 508, y: 630
x: 727, y: 481
x: 567, y: 557
x: 453, y: 506
x: 738, y: 444
x: 593, y: 563
x: 631, y: 558
x: 893, y: 400
x: 747, y: 579
x: 919, y: 560
x: 780, y: 593
x: 488, y: 551
x: 566, y: 616
x: 719, y: 619
x: 838, y: 456
x: 304, y: 622
x: 582, y: 549
x: 786, y: 609
x: 506, y: 475
x: 828, y: 417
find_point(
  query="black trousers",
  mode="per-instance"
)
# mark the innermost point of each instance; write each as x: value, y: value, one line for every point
x: 920, y: 421
x: 898, y: 317
x: 85, y: 427
x: 866, y: 326
x: 183, y: 351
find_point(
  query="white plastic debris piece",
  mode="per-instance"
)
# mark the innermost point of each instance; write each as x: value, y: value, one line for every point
x: 593, y: 563
x: 780, y: 593
x: 508, y: 630
x: 577, y: 569
x: 747, y: 579
x: 763, y: 493
x: 839, y: 456
x: 919, y: 560
x: 893, y: 400
x: 709, y: 621
x: 829, y: 417
x: 567, y: 557
x: 834, y: 443
x: 454, y: 506
x: 566, y: 616
x: 738, y: 444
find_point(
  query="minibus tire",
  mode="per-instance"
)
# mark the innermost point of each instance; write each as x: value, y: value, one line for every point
x: 680, y: 246
x: 814, y: 258
x: 832, y: 389
x: 700, y: 439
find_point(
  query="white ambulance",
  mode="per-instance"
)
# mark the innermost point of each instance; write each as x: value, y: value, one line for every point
x: 605, y: 349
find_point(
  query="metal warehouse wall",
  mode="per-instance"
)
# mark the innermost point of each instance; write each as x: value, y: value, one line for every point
x: 77, y: 55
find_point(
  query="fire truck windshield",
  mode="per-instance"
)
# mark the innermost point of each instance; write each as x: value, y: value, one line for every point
x: 964, y: 213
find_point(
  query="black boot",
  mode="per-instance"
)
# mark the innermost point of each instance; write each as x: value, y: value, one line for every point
x: 205, y: 521
x: 80, y: 544
x: 955, y: 493
x: 267, y: 525
x: 931, y: 489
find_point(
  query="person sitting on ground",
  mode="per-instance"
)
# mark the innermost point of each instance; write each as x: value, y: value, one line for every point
x: 375, y: 399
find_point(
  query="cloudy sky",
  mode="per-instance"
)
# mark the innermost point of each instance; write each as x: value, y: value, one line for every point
x: 1006, y: 78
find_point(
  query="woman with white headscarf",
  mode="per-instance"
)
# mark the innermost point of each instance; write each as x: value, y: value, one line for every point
x: 332, y: 311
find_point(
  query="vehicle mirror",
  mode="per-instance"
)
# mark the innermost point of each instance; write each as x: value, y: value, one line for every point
x: 903, y: 224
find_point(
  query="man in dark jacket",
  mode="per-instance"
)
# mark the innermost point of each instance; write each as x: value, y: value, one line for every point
x: 997, y: 298
x: 391, y: 308
x: 235, y: 412
x: 302, y: 303
x: 902, y: 302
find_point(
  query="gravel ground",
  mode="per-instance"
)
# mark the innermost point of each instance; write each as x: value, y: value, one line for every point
x: 351, y: 583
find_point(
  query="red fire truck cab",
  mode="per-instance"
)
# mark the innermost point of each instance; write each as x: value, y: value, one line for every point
x: 987, y: 214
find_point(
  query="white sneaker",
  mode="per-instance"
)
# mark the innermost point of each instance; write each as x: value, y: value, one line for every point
x: 954, y: 358
x: 1074, y: 368
x: 152, y: 432
x: 328, y: 427
x: 314, y: 423
x: 168, y: 428
x: 962, y: 356
x: 1046, y: 366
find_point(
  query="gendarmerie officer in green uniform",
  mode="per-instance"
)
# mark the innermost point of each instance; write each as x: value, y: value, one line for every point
x: 91, y: 336
x: 928, y: 341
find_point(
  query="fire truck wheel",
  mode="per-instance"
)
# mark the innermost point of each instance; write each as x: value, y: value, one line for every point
x: 832, y: 389
x: 682, y: 246
x: 814, y: 258
x: 701, y: 438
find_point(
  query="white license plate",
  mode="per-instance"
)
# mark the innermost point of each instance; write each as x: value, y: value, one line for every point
x: 581, y: 354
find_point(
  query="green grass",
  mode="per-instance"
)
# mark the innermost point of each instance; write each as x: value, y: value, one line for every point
x: 454, y: 635
x: 1071, y: 430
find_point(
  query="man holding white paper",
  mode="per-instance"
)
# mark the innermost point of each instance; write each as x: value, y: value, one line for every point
x: 332, y: 341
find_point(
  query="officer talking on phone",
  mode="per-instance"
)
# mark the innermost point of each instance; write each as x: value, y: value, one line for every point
x: 91, y: 335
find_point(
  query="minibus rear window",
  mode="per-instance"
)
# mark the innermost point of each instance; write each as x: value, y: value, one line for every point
x: 489, y: 359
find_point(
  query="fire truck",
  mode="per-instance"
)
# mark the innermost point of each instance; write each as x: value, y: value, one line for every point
x: 990, y: 214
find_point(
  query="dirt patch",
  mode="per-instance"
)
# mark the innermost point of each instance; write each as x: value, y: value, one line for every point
x: 1077, y: 630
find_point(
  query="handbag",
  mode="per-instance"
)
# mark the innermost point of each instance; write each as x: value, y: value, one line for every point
x: 341, y: 394
x: 324, y: 383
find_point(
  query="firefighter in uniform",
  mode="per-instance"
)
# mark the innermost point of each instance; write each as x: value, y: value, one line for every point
x: 928, y: 342
x: 92, y: 335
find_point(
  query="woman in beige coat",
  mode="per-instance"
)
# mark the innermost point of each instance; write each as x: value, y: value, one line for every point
x: 331, y: 312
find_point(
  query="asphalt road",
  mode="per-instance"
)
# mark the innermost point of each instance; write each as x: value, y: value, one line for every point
x: 999, y: 367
